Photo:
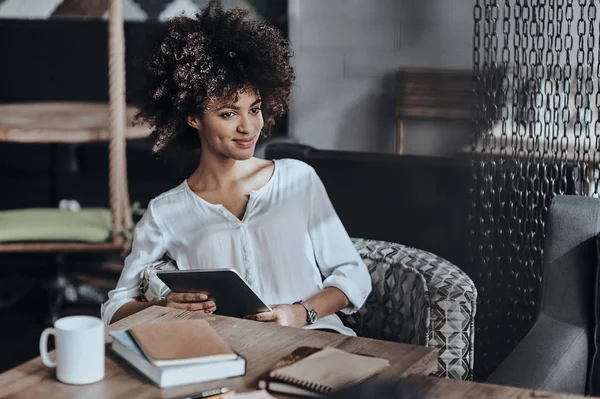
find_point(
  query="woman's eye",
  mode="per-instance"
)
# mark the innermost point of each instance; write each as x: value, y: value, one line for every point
x: 255, y: 110
x: 227, y: 115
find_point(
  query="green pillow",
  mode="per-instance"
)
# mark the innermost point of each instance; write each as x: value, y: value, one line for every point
x: 52, y: 224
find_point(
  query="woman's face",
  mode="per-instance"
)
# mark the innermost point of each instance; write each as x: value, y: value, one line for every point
x: 231, y: 130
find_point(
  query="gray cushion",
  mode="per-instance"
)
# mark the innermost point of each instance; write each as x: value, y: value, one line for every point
x: 52, y: 224
x: 594, y: 374
x: 555, y: 353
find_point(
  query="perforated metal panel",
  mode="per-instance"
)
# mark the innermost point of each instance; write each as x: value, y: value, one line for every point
x: 539, y: 140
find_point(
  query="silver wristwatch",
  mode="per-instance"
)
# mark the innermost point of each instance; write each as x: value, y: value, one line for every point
x: 312, y: 314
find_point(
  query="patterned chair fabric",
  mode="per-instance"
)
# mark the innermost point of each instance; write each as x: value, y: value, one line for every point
x: 421, y: 299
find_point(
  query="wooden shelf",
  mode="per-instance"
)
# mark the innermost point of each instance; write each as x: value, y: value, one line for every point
x: 61, y: 122
x: 49, y: 247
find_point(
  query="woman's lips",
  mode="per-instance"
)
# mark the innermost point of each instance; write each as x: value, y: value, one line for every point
x: 245, y: 143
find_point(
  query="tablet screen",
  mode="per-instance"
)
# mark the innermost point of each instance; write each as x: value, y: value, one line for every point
x: 232, y: 295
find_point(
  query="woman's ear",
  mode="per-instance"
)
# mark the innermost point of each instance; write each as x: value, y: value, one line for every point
x: 194, y: 122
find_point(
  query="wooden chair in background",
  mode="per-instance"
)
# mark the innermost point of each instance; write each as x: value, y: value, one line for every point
x: 437, y: 94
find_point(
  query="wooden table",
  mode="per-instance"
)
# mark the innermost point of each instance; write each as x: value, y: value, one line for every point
x: 262, y: 344
x: 445, y: 388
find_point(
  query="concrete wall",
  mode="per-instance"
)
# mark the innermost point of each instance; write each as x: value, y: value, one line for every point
x: 346, y: 55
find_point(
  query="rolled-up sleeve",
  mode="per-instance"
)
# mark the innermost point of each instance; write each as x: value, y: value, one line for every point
x: 336, y: 256
x: 148, y: 246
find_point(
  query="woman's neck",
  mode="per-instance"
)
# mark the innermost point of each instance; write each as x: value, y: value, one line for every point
x: 217, y: 173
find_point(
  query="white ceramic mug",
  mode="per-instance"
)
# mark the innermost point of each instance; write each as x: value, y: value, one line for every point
x: 79, y: 342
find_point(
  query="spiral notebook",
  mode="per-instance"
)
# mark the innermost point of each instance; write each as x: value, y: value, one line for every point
x: 315, y: 372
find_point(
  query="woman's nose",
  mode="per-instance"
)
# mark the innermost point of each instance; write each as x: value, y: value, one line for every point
x: 245, y: 125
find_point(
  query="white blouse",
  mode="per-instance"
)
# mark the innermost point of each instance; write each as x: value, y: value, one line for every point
x: 289, y: 245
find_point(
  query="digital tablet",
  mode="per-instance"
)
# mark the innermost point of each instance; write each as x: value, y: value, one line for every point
x: 233, y: 296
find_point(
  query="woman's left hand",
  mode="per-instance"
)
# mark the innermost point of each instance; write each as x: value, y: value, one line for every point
x: 284, y: 315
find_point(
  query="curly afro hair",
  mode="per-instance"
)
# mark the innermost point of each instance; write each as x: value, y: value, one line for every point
x: 212, y: 57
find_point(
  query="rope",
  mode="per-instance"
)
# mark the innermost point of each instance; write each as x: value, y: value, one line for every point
x: 116, y: 112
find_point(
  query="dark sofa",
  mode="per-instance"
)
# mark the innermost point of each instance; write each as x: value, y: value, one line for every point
x: 557, y: 352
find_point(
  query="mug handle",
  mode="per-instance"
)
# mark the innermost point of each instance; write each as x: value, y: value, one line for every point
x: 44, y: 347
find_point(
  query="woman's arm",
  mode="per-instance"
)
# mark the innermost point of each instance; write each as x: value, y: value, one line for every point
x: 337, y: 258
x: 192, y: 301
x: 147, y: 247
x: 330, y: 300
x: 326, y: 302
x: 347, y: 281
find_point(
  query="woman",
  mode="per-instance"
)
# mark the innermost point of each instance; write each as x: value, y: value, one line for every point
x: 218, y: 82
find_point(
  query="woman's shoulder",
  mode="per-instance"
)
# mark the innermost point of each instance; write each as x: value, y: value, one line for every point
x: 295, y: 168
x: 169, y: 200
x: 297, y: 175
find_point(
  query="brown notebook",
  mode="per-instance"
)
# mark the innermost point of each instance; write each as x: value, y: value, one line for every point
x: 315, y: 372
x: 181, y: 342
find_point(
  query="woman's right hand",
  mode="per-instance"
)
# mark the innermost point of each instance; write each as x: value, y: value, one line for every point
x: 191, y: 301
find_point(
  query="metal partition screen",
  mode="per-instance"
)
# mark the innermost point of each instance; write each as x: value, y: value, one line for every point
x: 539, y: 61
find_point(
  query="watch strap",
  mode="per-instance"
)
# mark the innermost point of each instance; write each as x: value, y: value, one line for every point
x: 311, y: 316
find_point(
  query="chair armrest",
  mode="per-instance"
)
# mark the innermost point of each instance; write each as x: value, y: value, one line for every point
x: 153, y: 288
x: 421, y: 299
x: 553, y: 357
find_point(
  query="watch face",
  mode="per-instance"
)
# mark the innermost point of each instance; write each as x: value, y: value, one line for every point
x: 312, y: 316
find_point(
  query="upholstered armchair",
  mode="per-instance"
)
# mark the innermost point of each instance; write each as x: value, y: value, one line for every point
x: 420, y: 299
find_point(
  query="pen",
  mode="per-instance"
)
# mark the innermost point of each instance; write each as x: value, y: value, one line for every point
x: 208, y: 394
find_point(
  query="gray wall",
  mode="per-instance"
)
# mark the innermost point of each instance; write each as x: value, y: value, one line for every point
x: 346, y: 55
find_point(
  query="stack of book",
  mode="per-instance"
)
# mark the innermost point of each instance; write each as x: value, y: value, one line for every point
x: 178, y: 353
